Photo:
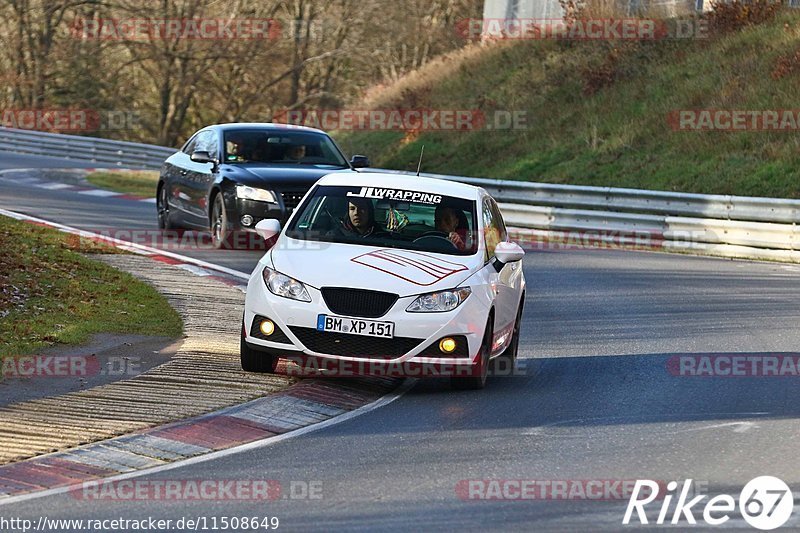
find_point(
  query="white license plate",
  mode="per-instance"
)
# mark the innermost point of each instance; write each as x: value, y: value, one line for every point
x: 355, y: 326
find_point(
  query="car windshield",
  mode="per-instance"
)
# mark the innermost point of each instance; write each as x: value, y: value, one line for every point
x: 281, y: 147
x: 393, y: 218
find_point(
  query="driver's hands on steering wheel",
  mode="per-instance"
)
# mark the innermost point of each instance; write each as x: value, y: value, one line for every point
x: 456, y: 239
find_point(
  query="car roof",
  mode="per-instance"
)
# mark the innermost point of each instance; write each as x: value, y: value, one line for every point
x: 263, y: 125
x: 406, y: 182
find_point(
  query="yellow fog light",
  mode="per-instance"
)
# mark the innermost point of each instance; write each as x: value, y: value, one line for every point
x: 267, y: 327
x: 447, y: 345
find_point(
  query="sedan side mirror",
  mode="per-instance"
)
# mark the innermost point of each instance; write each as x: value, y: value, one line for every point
x: 508, y: 252
x: 202, y: 156
x: 359, y: 161
x: 268, y: 228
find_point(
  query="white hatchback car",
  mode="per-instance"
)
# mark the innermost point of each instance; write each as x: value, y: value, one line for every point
x: 375, y: 269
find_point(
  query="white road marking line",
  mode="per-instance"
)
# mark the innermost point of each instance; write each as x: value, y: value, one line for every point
x: 23, y: 181
x: 148, y: 200
x: 130, y: 245
x: 99, y: 192
x: 560, y: 424
x: 196, y: 270
x: 739, y: 427
x: 380, y: 402
x: 54, y: 186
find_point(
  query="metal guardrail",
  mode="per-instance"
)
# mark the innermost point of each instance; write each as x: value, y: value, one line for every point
x: 738, y: 226
x: 92, y: 150
x: 726, y: 207
x: 723, y: 225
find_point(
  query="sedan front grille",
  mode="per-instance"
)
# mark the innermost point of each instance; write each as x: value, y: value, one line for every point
x: 347, y: 345
x: 292, y: 199
x: 358, y: 302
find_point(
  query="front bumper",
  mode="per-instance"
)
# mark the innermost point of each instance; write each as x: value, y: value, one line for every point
x: 257, y: 211
x: 414, y: 333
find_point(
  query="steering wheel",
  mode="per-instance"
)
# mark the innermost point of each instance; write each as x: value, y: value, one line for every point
x: 437, y: 240
x: 434, y: 233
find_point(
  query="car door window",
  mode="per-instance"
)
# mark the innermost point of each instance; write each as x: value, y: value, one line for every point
x: 207, y: 142
x: 491, y: 231
x: 188, y: 148
x: 498, y: 221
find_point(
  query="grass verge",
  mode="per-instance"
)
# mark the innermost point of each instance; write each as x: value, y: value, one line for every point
x: 51, y: 294
x: 602, y: 113
x: 139, y: 183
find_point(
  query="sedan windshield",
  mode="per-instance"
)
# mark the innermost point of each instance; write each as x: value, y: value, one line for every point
x: 393, y: 218
x: 281, y: 147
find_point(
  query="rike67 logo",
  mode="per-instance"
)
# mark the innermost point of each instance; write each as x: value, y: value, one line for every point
x: 765, y: 503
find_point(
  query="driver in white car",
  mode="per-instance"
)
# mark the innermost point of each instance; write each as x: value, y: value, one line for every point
x: 447, y: 221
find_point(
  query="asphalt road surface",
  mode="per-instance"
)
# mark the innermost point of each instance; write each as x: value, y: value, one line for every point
x: 596, y: 397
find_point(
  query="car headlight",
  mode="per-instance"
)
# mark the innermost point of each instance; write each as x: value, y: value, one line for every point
x: 251, y: 193
x: 282, y: 285
x: 439, y: 302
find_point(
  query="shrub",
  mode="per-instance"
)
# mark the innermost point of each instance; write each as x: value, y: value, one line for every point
x: 736, y: 14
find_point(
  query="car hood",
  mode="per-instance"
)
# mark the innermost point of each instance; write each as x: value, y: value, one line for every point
x: 278, y: 176
x: 403, y: 272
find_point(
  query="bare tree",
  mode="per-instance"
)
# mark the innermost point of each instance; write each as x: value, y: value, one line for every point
x: 324, y: 56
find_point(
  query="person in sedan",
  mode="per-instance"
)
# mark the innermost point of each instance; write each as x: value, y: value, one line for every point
x: 296, y: 152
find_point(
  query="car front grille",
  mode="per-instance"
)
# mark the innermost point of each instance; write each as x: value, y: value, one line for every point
x: 358, y: 302
x: 330, y: 343
x: 292, y: 199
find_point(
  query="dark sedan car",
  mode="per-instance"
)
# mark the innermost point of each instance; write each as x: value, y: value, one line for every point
x: 228, y: 177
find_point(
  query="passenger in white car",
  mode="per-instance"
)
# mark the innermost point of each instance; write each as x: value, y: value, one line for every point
x: 359, y: 222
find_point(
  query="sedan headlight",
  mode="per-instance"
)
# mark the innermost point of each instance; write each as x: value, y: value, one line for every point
x: 439, y: 302
x: 282, y: 285
x: 246, y: 192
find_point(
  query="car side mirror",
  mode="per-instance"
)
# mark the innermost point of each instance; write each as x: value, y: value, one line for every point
x: 508, y: 252
x: 202, y: 156
x: 359, y: 161
x: 268, y: 228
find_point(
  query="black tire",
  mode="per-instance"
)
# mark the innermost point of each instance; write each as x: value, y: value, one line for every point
x: 504, y: 364
x: 220, y: 230
x: 255, y: 361
x: 162, y: 208
x: 477, y: 382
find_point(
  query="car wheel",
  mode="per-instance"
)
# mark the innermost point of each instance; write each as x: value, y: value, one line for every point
x: 220, y: 234
x: 504, y: 364
x: 479, y: 381
x: 255, y: 361
x: 162, y: 206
